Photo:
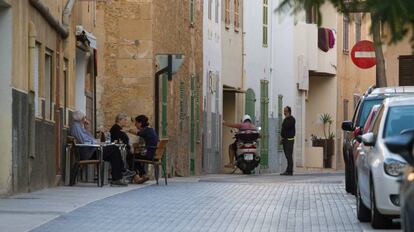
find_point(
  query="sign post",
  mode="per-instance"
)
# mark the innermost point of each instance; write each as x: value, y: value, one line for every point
x: 363, y: 54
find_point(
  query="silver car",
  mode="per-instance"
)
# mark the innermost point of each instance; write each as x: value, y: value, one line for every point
x: 378, y: 169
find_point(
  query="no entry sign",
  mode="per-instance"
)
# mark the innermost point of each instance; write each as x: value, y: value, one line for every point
x: 363, y: 54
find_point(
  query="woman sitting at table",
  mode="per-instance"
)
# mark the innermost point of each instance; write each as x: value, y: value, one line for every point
x: 111, y: 154
x: 118, y: 136
x: 151, y: 141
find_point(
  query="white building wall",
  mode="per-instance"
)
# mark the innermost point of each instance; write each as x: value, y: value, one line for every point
x: 5, y: 99
x: 212, y: 85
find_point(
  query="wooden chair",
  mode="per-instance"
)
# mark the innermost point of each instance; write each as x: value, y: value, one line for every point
x: 74, y: 164
x: 157, y: 160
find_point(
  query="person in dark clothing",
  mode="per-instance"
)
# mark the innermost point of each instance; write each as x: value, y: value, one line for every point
x: 288, y: 139
x: 151, y: 141
x: 118, y: 136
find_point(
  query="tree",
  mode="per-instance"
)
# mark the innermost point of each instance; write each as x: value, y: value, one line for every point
x: 397, y: 15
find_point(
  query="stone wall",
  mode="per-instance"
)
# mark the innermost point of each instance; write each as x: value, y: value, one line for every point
x: 133, y: 33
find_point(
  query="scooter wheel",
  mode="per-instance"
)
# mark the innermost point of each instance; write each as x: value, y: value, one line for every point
x: 247, y: 172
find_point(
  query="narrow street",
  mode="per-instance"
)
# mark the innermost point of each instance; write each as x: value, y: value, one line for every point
x: 303, y: 202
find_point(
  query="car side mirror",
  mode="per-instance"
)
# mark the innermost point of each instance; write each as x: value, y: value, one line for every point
x: 368, y: 139
x: 347, y: 126
x: 358, y: 138
x: 402, y: 145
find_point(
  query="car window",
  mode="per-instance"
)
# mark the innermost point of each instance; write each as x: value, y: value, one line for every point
x: 356, y: 112
x: 399, y: 118
x: 366, y: 108
x: 375, y: 125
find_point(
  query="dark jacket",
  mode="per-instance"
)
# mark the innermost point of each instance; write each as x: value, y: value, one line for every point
x: 118, y: 134
x: 288, y: 128
x: 151, y: 140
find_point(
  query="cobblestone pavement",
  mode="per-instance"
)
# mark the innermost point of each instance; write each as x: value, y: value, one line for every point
x: 311, y: 202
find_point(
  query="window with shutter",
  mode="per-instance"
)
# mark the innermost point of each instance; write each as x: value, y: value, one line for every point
x: 265, y: 22
x: 236, y: 15
x: 406, y: 70
x: 227, y: 14
x: 346, y: 35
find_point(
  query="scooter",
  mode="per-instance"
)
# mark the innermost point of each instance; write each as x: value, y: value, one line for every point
x: 247, y: 155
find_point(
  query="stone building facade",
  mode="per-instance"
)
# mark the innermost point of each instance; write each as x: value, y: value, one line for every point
x: 135, y: 33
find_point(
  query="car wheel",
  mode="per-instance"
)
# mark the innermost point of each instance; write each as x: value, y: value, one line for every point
x: 378, y: 220
x: 349, y: 178
x: 406, y: 211
x: 363, y: 213
x: 347, y: 175
x: 247, y: 172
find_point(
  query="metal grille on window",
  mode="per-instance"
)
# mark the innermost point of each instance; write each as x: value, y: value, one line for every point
x: 265, y: 22
x: 280, y: 119
x: 182, y: 111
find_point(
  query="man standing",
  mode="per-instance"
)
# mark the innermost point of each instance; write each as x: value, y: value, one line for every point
x: 288, y: 139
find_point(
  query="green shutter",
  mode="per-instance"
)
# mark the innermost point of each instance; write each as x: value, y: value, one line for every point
x: 192, y: 127
x: 279, y: 116
x: 164, y: 106
x: 182, y: 111
x: 250, y: 104
x: 264, y: 123
x: 192, y: 12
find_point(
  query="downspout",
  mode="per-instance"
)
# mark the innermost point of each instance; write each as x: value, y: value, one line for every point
x: 63, y: 30
x: 31, y: 102
x: 67, y: 12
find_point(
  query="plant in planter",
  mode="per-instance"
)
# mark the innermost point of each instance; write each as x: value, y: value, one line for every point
x: 328, y: 142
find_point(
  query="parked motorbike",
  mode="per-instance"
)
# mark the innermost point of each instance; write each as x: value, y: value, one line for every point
x: 404, y: 146
x: 247, y: 154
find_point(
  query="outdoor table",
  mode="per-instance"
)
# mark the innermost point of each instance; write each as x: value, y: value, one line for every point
x: 102, y: 171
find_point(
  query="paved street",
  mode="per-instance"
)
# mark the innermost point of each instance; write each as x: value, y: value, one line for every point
x: 304, y: 202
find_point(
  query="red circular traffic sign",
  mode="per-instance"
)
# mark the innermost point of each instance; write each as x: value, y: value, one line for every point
x: 363, y: 54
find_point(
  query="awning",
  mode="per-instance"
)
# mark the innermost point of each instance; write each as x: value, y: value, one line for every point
x: 232, y: 89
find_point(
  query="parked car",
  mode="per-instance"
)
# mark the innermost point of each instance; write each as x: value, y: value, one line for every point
x: 378, y: 169
x: 404, y: 145
x: 373, y: 96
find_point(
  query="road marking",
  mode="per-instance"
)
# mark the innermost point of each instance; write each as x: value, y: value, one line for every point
x: 364, y: 54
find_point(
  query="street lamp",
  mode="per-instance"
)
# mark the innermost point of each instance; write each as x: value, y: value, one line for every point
x: 167, y: 63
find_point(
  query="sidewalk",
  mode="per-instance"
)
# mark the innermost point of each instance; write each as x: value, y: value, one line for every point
x: 24, y: 212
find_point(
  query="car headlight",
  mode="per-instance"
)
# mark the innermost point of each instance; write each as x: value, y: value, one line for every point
x: 393, y: 167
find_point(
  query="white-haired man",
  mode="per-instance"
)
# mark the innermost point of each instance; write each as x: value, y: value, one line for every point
x: 110, y: 153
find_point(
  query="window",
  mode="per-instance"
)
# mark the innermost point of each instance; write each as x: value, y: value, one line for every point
x: 217, y: 11
x: 265, y: 22
x: 36, y: 86
x: 346, y: 105
x: 377, y: 119
x: 312, y: 15
x: 358, y: 22
x: 48, y: 85
x: 406, y: 70
x: 346, y: 35
x: 236, y: 15
x: 227, y: 14
x: 192, y: 12
x: 209, y: 9
x: 399, y: 118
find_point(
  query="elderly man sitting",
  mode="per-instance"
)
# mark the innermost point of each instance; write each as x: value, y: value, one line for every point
x: 110, y: 153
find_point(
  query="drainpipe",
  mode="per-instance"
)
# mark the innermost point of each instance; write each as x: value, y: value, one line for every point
x: 31, y: 133
x: 67, y: 12
x: 63, y: 30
